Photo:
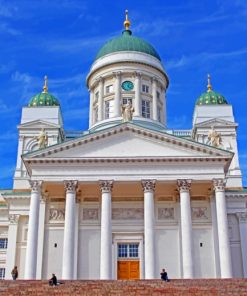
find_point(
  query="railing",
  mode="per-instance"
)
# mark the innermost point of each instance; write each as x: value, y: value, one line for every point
x: 182, y: 133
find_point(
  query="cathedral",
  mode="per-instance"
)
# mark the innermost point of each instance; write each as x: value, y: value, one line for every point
x: 128, y: 196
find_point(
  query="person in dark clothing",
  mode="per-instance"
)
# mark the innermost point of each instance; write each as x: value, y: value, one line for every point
x: 53, y: 280
x: 14, y: 273
x: 164, y: 275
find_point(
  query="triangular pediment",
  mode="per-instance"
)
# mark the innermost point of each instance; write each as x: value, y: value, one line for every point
x: 38, y: 124
x: 128, y: 141
x: 215, y: 122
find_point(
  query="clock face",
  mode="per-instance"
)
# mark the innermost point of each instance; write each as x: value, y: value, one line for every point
x: 127, y: 85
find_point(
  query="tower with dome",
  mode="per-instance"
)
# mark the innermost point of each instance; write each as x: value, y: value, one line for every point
x: 129, y: 195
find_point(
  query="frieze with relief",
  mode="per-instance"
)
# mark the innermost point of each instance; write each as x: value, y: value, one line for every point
x: 56, y: 214
x: 91, y: 214
x: 127, y: 214
x: 166, y: 214
x: 199, y: 213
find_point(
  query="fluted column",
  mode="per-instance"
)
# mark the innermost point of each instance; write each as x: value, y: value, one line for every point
x: 149, y: 232
x: 77, y: 224
x: 101, y: 100
x: 11, y: 251
x: 154, y: 94
x: 224, y: 243
x: 117, y: 98
x: 106, y: 231
x: 242, y: 218
x: 33, y: 227
x: 186, y: 228
x: 69, y: 230
x: 137, y: 94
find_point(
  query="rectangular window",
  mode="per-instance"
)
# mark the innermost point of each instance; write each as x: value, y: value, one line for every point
x: 158, y: 95
x: 96, y: 114
x: 133, y: 250
x: 2, y: 273
x: 145, y: 88
x: 122, y: 250
x: 159, y: 114
x: 109, y: 89
x: 126, y: 100
x: 3, y: 243
x: 109, y: 109
x: 145, y: 109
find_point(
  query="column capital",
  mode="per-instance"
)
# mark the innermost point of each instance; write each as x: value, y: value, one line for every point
x: 70, y: 186
x: 35, y: 185
x: 148, y: 185
x: 219, y: 184
x: 154, y: 79
x: 183, y: 185
x: 13, y: 218
x: 100, y: 79
x: 117, y: 74
x: 106, y: 185
x: 242, y: 217
x: 137, y: 74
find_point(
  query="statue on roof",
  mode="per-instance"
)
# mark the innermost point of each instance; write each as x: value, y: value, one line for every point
x: 42, y: 139
x: 127, y: 112
x: 214, y: 138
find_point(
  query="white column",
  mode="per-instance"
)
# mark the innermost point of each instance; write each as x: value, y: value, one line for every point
x: 11, y: 251
x: 224, y: 243
x: 149, y: 232
x: 77, y: 222
x: 41, y: 237
x: 242, y: 217
x: 106, y: 231
x: 33, y: 228
x: 215, y: 236
x: 69, y: 231
x: 163, y: 95
x: 91, y: 119
x: 154, y: 95
x: 137, y: 94
x: 117, y: 98
x: 186, y: 228
x: 101, y: 100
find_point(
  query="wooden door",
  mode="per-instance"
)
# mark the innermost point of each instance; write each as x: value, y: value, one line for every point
x: 128, y: 270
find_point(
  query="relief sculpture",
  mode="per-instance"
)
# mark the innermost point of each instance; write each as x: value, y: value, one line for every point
x: 165, y: 213
x: 56, y: 214
x: 127, y: 214
x: 90, y: 214
x: 199, y: 213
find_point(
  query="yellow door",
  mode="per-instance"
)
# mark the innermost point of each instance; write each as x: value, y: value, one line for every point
x: 128, y: 270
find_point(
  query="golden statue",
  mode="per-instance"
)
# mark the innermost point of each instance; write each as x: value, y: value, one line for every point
x: 127, y: 112
x: 214, y: 137
x: 42, y: 139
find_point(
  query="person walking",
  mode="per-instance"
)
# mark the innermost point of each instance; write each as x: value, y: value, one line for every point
x: 14, y: 273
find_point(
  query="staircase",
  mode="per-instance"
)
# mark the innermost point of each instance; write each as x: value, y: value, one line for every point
x: 195, y: 287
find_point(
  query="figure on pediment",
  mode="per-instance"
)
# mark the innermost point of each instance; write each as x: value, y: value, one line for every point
x: 42, y: 139
x: 127, y: 112
x: 214, y: 138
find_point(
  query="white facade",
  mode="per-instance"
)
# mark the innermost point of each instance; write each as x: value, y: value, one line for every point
x: 123, y: 195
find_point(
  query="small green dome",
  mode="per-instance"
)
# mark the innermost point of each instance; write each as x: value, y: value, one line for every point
x: 127, y: 42
x: 211, y: 98
x: 43, y: 99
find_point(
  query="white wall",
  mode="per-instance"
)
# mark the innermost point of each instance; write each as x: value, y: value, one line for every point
x: 203, y: 255
x: 89, y: 254
x: 168, y: 257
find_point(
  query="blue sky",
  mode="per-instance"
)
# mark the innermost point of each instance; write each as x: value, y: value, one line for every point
x: 60, y: 38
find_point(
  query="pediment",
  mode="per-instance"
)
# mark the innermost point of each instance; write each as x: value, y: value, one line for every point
x: 38, y: 124
x: 216, y: 122
x: 128, y: 141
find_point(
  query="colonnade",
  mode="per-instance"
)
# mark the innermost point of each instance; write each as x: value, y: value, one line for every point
x: 68, y: 268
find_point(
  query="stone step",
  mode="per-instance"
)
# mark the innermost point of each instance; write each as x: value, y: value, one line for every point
x: 195, y: 287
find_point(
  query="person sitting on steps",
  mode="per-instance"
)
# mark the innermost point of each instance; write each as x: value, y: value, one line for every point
x: 164, y: 275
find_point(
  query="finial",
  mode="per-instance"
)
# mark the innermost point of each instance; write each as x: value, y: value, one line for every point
x: 45, y: 87
x: 209, y: 86
x: 126, y: 22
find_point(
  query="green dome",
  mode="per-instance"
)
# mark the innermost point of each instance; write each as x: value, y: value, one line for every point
x: 127, y: 42
x: 211, y: 98
x: 43, y: 99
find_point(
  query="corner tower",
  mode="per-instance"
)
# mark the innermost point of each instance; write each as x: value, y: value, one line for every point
x: 127, y: 69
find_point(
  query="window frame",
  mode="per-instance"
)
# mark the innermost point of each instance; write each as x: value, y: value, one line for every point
x: 145, y: 88
x: 146, y: 109
x: 3, y: 243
